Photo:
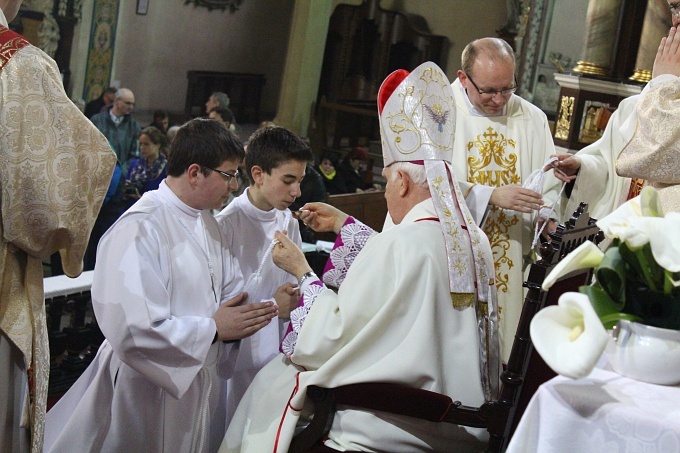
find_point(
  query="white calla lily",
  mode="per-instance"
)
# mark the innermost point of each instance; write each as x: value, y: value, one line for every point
x: 620, y: 223
x: 664, y: 239
x: 569, y: 336
x: 585, y: 256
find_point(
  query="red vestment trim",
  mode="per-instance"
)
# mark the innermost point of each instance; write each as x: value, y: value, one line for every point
x: 10, y: 43
x: 635, y: 188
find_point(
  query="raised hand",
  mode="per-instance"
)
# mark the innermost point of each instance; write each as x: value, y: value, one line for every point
x: 667, y: 59
x: 322, y: 217
x: 289, y: 257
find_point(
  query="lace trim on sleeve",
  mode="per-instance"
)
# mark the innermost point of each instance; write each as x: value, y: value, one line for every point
x: 298, y: 316
x: 350, y: 242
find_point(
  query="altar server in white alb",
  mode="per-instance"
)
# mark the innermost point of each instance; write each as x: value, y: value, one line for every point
x: 166, y: 295
x: 275, y: 162
x: 500, y: 140
x: 55, y: 167
x: 416, y: 303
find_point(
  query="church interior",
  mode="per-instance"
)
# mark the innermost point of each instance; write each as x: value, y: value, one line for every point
x: 315, y: 67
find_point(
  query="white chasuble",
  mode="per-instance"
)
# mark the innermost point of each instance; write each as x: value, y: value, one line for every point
x: 393, y: 320
x: 155, y: 384
x: 249, y: 235
x: 494, y: 151
x: 55, y: 167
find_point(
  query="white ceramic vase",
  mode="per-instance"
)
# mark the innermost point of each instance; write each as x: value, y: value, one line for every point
x: 646, y: 353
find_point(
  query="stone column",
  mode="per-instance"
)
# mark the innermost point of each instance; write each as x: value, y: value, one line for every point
x: 656, y: 25
x: 602, y: 21
x: 302, y: 70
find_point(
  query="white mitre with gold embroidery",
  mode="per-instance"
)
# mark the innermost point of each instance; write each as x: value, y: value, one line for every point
x: 417, y: 125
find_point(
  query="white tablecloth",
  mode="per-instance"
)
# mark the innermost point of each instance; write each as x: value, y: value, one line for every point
x: 604, y: 412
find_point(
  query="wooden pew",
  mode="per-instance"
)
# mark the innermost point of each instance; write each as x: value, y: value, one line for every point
x: 368, y: 207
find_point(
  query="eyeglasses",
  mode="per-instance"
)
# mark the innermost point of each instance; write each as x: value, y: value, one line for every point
x: 225, y: 174
x: 130, y: 103
x: 491, y: 93
x: 675, y: 8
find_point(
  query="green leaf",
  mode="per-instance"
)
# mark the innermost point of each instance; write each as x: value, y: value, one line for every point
x: 610, y: 320
x: 602, y: 303
x: 611, y: 274
x: 641, y: 264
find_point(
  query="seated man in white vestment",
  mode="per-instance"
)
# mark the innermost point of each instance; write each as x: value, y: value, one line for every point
x: 55, y: 167
x: 501, y: 139
x: 275, y: 162
x: 415, y: 305
x: 167, y: 296
x: 592, y: 172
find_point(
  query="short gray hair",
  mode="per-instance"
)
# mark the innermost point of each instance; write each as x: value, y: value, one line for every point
x: 222, y: 99
x: 414, y: 171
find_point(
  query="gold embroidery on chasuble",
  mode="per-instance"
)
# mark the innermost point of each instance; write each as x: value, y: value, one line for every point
x: 10, y: 43
x: 493, y: 162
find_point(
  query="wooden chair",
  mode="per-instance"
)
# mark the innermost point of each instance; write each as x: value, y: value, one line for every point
x: 525, y: 370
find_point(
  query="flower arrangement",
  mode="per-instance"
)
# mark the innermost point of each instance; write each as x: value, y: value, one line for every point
x: 637, y: 279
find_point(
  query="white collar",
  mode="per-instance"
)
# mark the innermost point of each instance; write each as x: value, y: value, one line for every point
x: 3, y: 19
x: 474, y: 111
x: 423, y: 209
x: 114, y: 118
x: 170, y: 196
x: 253, y: 211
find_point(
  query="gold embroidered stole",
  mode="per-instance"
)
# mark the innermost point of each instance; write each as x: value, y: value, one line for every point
x: 492, y: 161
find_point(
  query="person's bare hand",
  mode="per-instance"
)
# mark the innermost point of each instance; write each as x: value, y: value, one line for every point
x: 322, y: 217
x: 550, y: 227
x: 287, y: 297
x: 513, y: 196
x: 566, y: 167
x: 289, y: 257
x: 667, y: 59
x: 235, y: 320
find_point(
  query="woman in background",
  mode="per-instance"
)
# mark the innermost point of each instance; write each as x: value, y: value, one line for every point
x: 146, y: 172
x: 328, y: 163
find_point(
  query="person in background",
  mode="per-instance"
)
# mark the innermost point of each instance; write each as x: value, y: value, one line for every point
x: 351, y: 170
x: 328, y: 163
x: 55, y: 167
x: 118, y: 126
x: 172, y: 131
x: 217, y: 99
x: 161, y: 121
x: 146, y: 172
x: 98, y: 105
x: 223, y: 115
x: 167, y: 295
